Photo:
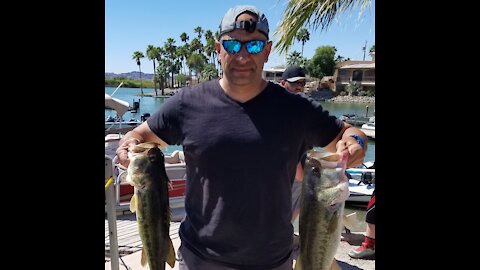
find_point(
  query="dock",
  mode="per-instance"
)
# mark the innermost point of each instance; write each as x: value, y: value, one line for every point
x: 130, y: 245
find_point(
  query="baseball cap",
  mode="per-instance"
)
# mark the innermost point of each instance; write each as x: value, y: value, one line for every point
x: 229, y: 22
x: 293, y: 74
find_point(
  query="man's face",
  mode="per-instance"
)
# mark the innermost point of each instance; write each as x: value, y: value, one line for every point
x: 243, y: 68
x: 294, y: 87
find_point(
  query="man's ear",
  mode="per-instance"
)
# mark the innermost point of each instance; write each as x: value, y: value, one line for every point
x: 218, y: 49
x: 268, y: 48
x: 217, y: 46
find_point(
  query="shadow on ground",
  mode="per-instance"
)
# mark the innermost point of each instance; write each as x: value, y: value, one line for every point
x: 354, y: 239
x: 346, y: 266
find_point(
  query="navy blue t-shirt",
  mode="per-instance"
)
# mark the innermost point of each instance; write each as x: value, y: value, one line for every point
x: 241, y: 161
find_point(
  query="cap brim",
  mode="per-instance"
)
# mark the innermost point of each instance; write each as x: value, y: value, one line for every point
x: 294, y: 79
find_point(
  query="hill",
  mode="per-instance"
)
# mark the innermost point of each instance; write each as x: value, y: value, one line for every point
x: 134, y: 75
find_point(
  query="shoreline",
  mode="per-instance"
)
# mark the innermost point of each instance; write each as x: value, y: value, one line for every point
x: 337, y: 99
x: 352, y: 99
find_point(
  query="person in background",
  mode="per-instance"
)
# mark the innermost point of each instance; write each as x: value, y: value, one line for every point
x: 293, y: 79
x: 242, y: 138
x: 367, y: 249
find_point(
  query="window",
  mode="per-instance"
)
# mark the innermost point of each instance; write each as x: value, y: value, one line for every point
x: 357, y: 75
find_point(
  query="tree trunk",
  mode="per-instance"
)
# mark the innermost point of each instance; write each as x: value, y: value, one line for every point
x: 141, y: 86
x: 154, y: 81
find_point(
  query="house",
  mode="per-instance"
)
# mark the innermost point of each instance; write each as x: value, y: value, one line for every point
x: 362, y: 72
x: 273, y: 74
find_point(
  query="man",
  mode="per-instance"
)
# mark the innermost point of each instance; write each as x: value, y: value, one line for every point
x: 293, y: 79
x: 242, y: 138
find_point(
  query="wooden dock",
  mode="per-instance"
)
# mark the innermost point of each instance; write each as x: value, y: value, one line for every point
x: 128, y: 237
x: 129, y: 244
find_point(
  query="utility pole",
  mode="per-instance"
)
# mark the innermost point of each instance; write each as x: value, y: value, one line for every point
x: 364, y: 50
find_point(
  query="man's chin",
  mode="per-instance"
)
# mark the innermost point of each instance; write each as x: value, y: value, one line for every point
x: 242, y: 80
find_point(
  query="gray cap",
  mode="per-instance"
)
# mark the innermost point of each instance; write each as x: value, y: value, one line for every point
x: 229, y: 22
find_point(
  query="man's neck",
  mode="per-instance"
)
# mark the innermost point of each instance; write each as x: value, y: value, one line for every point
x: 242, y: 93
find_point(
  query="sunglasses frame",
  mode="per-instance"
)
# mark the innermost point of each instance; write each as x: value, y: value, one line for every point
x: 243, y: 44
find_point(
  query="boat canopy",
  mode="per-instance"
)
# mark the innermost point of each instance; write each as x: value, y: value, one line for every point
x: 120, y: 106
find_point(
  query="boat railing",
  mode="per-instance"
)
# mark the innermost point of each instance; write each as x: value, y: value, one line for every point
x: 111, y: 213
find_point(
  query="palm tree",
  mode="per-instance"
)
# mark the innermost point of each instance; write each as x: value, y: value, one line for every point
x: 198, y: 30
x: 152, y: 55
x: 294, y: 59
x: 136, y: 56
x: 184, y: 37
x: 303, y: 35
x: 171, y: 49
x: 300, y: 12
x: 196, y: 45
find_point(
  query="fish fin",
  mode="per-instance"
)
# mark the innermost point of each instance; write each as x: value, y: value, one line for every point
x: 335, y: 265
x: 298, y: 265
x: 143, y: 259
x: 133, y: 203
x: 170, y: 253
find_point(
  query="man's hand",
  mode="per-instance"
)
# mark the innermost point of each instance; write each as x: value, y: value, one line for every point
x: 354, y: 150
x: 122, y: 151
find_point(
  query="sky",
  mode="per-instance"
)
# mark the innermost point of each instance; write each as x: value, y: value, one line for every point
x: 132, y: 25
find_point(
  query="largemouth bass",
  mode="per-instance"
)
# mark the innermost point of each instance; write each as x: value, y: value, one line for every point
x: 146, y: 172
x: 324, y: 191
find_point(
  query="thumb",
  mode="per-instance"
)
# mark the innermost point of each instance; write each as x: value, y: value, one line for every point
x: 341, y: 146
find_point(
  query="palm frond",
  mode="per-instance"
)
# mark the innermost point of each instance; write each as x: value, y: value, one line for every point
x: 314, y: 13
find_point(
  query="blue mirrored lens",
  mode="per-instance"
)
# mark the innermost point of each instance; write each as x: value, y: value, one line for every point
x: 255, y: 46
x: 232, y: 46
x: 252, y: 46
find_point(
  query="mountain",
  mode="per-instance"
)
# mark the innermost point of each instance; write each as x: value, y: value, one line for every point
x: 134, y: 75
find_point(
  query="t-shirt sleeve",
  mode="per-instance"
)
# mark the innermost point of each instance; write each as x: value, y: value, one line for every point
x: 165, y: 122
x: 321, y: 125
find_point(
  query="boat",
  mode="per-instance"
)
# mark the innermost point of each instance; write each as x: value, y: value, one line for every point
x: 361, y: 183
x: 369, y: 129
x: 116, y: 123
x: 112, y: 122
x: 176, y: 171
x: 354, y: 120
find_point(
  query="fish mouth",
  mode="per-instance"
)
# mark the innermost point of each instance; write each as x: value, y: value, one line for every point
x: 323, y: 159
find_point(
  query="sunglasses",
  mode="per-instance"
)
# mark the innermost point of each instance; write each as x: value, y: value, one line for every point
x: 300, y: 83
x: 234, y: 46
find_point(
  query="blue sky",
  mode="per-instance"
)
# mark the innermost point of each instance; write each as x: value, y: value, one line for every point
x: 132, y: 25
